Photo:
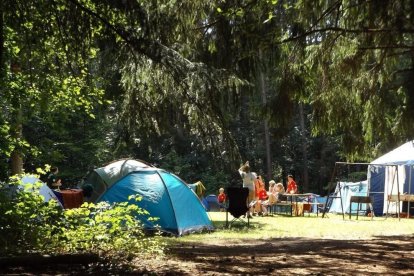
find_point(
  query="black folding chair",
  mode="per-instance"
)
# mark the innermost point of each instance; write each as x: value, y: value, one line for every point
x: 237, y: 205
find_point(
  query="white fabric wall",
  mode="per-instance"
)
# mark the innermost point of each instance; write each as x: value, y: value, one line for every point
x: 394, y: 183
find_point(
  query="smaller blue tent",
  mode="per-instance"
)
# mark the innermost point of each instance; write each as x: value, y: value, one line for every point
x: 211, y: 203
x: 164, y: 195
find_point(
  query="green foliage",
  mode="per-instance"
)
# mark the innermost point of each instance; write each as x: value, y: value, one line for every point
x: 110, y: 230
x: 360, y: 68
x: 357, y: 176
x: 28, y: 224
x: 184, y: 89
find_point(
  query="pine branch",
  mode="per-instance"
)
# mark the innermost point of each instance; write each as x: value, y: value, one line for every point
x: 344, y: 30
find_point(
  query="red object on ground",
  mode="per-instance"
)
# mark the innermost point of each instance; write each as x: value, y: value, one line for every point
x: 72, y: 198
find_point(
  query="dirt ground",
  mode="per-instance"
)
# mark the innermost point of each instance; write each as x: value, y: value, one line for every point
x: 384, y: 256
x: 381, y: 256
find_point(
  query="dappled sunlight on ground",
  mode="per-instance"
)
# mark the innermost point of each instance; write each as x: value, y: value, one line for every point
x: 383, y: 255
x: 294, y: 245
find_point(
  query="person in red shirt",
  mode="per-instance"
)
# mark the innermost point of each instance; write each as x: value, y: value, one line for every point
x: 221, y: 199
x: 292, y: 188
x: 262, y: 196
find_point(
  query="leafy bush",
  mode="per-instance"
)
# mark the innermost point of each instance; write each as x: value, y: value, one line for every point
x: 109, y: 230
x: 28, y: 224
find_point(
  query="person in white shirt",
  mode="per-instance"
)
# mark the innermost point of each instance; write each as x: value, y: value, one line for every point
x: 248, y: 182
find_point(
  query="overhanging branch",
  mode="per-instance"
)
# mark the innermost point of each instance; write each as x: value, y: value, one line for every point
x: 344, y: 30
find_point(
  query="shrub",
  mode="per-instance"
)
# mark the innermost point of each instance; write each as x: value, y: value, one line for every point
x: 29, y: 225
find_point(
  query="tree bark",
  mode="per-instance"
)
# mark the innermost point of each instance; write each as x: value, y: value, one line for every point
x: 17, y: 135
x: 305, y: 171
x: 265, y: 123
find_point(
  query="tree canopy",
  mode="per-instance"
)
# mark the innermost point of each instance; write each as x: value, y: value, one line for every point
x: 201, y: 86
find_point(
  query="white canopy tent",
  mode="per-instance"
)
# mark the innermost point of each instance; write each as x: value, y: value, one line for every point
x: 391, y: 174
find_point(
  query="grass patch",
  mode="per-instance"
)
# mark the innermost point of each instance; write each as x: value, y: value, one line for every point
x: 278, y: 226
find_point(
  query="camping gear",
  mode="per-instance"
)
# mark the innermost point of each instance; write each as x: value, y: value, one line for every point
x: 164, y: 195
x: 347, y: 190
x: 71, y: 198
x: 237, y: 199
x: 211, y: 203
x: 390, y: 174
x: 198, y: 188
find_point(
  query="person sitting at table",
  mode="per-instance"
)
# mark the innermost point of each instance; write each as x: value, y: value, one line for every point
x: 280, y: 190
x: 263, y: 200
x: 272, y: 193
x: 292, y: 188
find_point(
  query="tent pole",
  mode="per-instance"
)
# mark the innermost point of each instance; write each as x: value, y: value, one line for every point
x: 398, y: 193
x: 326, y: 207
x: 340, y: 196
x: 409, y: 192
x: 172, y: 205
x: 388, y: 195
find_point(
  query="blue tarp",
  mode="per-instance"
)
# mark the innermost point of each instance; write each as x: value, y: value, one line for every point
x: 348, y: 189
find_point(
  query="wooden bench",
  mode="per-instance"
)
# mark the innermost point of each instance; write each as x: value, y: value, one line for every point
x: 280, y: 203
x: 402, y: 198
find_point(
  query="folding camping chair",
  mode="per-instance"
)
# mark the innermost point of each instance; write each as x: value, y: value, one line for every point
x: 237, y: 204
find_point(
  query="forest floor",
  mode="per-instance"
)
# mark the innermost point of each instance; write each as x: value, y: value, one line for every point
x: 392, y: 255
x: 277, y: 245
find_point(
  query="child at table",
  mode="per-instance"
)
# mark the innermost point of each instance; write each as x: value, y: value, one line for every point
x: 280, y: 190
x: 292, y: 188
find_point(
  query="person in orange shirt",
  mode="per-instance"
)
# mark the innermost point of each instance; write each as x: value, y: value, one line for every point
x: 292, y: 188
x: 221, y: 199
x: 257, y: 186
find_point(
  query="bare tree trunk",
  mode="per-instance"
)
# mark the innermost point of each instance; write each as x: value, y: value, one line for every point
x: 17, y: 135
x: 265, y: 123
x: 305, y: 172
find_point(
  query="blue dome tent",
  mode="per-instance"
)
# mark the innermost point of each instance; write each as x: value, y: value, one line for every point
x: 211, y: 203
x: 164, y: 195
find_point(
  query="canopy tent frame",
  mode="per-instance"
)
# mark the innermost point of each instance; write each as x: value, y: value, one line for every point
x: 327, y: 206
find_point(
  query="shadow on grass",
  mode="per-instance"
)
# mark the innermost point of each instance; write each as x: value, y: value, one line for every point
x: 381, y: 255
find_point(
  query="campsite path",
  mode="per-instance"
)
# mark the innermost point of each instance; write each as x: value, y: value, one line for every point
x: 385, y: 255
